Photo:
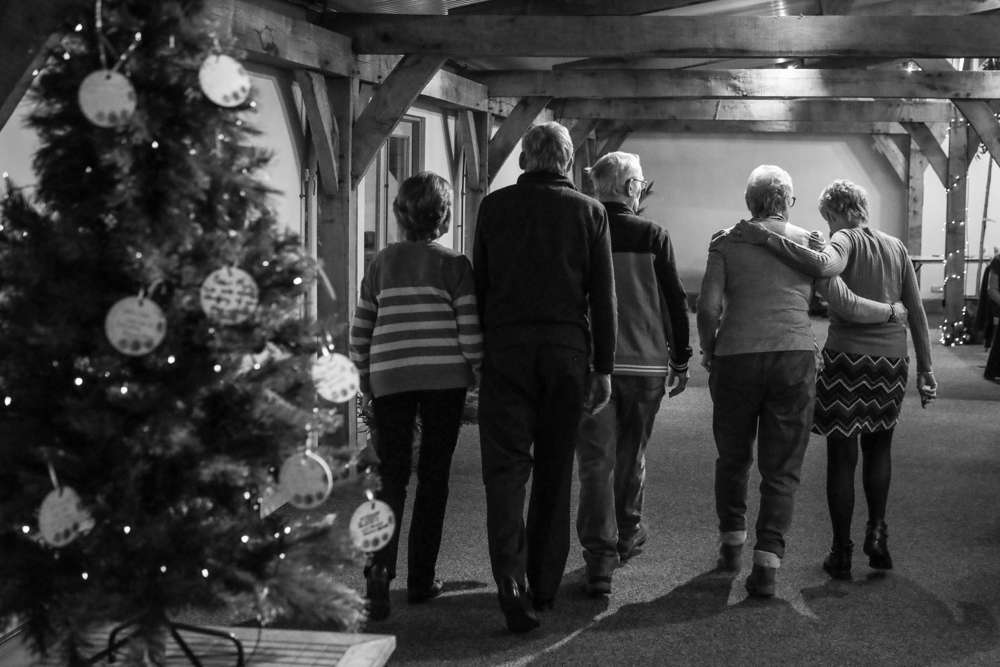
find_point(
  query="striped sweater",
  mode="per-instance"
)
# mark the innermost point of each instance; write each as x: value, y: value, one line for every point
x: 416, y: 326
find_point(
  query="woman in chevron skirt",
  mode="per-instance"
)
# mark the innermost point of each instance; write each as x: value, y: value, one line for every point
x: 859, y: 390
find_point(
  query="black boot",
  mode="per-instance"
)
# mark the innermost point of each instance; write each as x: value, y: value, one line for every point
x: 877, y: 546
x: 838, y: 562
x: 377, y: 592
x: 512, y: 603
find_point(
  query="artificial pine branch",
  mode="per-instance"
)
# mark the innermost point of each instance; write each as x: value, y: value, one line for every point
x: 168, y: 450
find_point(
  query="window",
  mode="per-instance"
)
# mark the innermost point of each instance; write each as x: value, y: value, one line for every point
x: 399, y: 158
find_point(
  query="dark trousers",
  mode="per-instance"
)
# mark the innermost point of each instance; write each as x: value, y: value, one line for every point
x: 440, y: 418
x: 992, y: 371
x: 611, y: 455
x: 769, y: 395
x: 531, y: 394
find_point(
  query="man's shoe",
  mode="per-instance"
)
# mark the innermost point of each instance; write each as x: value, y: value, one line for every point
x: 424, y: 593
x: 730, y: 557
x: 838, y: 562
x: 760, y: 583
x: 877, y: 546
x: 631, y: 548
x: 597, y: 586
x: 511, y: 598
x: 377, y: 592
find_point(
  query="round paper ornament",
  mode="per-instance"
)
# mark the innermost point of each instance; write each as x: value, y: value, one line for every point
x: 135, y: 326
x: 372, y: 525
x: 306, y: 480
x: 229, y: 295
x: 62, y: 517
x: 336, y: 378
x: 223, y: 80
x: 106, y: 98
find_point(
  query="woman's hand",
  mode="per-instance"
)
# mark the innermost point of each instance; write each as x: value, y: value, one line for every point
x: 927, y: 387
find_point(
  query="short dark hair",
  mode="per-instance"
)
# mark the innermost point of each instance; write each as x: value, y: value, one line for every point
x: 423, y: 206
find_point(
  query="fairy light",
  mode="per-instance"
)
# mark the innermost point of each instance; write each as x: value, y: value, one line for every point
x: 127, y: 529
x: 25, y: 529
x: 246, y: 495
x: 245, y: 539
x: 84, y: 576
x: 217, y: 368
x: 204, y: 572
x: 171, y: 359
x: 7, y: 400
x: 288, y: 530
x: 124, y: 389
x: 155, y: 144
x: 163, y: 569
x: 281, y: 556
x: 78, y: 381
x: 297, y: 280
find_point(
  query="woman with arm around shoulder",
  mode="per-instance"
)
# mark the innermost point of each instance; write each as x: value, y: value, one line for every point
x: 859, y: 391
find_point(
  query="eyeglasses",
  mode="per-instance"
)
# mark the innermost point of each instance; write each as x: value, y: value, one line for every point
x: 643, y: 184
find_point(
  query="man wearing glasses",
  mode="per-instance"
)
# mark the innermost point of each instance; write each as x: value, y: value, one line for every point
x: 652, y: 346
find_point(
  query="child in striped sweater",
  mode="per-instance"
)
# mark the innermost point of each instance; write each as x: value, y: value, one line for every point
x: 416, y: 341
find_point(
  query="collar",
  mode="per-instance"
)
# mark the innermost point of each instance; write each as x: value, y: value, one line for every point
x: 546, y: 178
x: 617, y: 207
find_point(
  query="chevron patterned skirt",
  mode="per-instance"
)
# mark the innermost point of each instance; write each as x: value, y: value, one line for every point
x: 858, y: 393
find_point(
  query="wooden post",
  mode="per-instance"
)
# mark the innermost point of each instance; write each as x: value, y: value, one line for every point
x: 916, y: 166
x: 477, y: 178
x: 954, y: 236
x: 337, y: 229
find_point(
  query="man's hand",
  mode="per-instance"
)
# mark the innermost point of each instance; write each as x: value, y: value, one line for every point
x: 746, y: 231
x: 678, y: 380
x: 706, y: 361
x: 598, y: 393
x: 816, y: 241
x: 926, y: 387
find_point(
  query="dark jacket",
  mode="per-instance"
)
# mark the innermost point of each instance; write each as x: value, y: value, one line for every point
x: 652, y: 303
x: 542, y: 262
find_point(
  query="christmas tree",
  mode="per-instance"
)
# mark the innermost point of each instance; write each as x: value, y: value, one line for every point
x: 156, y: 369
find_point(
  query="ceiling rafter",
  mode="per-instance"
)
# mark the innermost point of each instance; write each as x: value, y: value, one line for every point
x: 709, y: 37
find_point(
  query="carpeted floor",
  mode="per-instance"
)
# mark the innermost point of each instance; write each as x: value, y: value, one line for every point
x: 940, y: 606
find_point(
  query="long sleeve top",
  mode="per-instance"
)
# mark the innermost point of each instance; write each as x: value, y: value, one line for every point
x: 416, y: 326
x: 749, y: 301
x: 653, y: 329
x: 873, y: 265
x: 542, y: 262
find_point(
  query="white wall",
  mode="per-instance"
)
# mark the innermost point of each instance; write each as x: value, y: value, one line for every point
x: 700, y: 180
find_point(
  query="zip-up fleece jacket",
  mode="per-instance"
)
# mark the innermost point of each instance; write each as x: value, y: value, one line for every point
x: 653, y: 328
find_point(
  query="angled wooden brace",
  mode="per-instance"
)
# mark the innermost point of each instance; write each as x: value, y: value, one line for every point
x: 511, y: 131
x: 467, y: 144
x: 612, y: 138
x: 931, y: 149
x: 323, y: 128
x: 391, y: 100
x: 892, y: 153
x: 979, y: 113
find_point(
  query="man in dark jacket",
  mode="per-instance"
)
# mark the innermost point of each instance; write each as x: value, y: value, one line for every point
x: 652, y: 347
x: 545, y: 289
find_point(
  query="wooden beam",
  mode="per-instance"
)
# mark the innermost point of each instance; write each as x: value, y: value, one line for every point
x: 742, y: 83
x: 391, y: 100
x: 762, y: 127
x: 979, y: 114
x: 612, y: 138
x: 931, y: 149
x: 282, y: 38
x: 25, y: 32
x: 477, y: 183
x: 804, y: 110
x: 511, y: 131
x: 910, y: 7
x: 452, y: 90
x: 892, y: 153
x: 704, y: 36
x: 954, y: 234
x: 467, y: 144
x: 337, y: 243
x: 572, y: 7
x: 580, y: 130
x: 322, y: 127
x: 916, y: 166
x: 835, y: 7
